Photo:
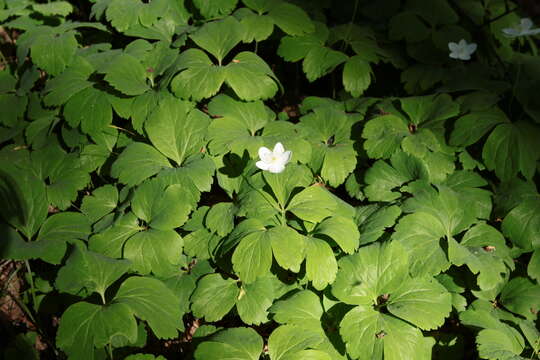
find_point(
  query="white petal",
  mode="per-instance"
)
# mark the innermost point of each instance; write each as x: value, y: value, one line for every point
x: 510, y: 32
x: 454, y: 55
x: 462, y: 43
x: 526, y: 24
x: 278, y: 148
x: 452, y: 46
x: 471, y: 48
x: 287, y: 156
x: 533, y: 32
x: 263, y: 165
x: 265, y: 154
x: 276, y: 167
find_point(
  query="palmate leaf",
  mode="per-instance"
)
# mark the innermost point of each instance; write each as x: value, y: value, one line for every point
x: 521, y: 296
x: 247, y: 74
x: 256, y: 298
x: 288, y: 247
x: 342, y: 230
x: 85, y: 326
x: 176, y: 129
x: 102, y: 201
x: 211, y: 9
x: 321, y: 265
x: 154, y: 250
x: 383, y: 136
x: 230, y: 344
x: 91, y: 109
x: 287, y: 342
x: 483, y: 249
x: 110, y: 242
x: 219, y: 37
x: 469, y: 128
x: 256, y: 27
x: 356, y: 75
x: 289, y: 17
x: 236, y: 125
x: 369, y: 333
x: 199, y: 79
x: 126, y: 74
x: 145, y: 158
x: 52, y: 51
x: 74, y: 79
x: 511, y: 148
x: 320, y: 61
x: 150, y: 300
x: 214, y: 297
x: 372, y: 221
x: 373, y: 271
x: 252, y: 258
x: 312, y: 204
x: 86, y: 272
x: 521, y: 224
x: 303, y: 309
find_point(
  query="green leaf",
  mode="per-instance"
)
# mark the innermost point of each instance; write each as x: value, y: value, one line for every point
x: 533, y: 268
x: 511, y: 148
x: 214, y: 297
x: 295, y: 48
x: 320, y: 61
x: 321, y: 265
x: 219, y: 37
x: 53, y: 52
x: 383, y: 136
x: 429, y: 109
x: 150, y: 300
x: 156, y: 251
x: 291, y: 18
x: 314, y: 203
x: 177, y: 129
x: 420, y: 233
x: 521, y: 224
x: 62, y: 8
x: 70, y: 82
x: 12, y: 108
x: 421, y: 301
x: 24, y: 199
x: 211, y: 9
x: 236, y: 124
x: 302, y: 309
x: 342, y: 230
x: 89, y: 271
x: 339, y: 162
x: 110, y: 242
x: 483, y: 249
x: 220, y: 218
x: 254, y: 300
x: 126, y: 74
x: 356, y: 75
x: 231, y: 344
x: 91, y: 109
x: 288, y: 246
x: 287, y: 340
x: 256, y: 27
x: 199, y: 79
x: 84, y: 325
x: 521, y: 296
x: 102, y: 201
x: 373, y: 271
x: 373, y: 220
x: 369, y: 333
x: 146, y: 159
x: 250, y: 77
x: 383, y: 179
x: 470, y: 128
x: 496, y: 344
x: 252, y: 258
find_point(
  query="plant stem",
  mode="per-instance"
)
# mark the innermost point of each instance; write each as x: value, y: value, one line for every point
x: 31, y: 282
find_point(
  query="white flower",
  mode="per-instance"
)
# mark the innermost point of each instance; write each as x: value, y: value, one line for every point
x: 461, y: 50
x: 524, y: 28
x: 275, y: 160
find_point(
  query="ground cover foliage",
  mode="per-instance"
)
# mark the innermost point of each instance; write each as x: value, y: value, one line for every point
x: 406, y: 224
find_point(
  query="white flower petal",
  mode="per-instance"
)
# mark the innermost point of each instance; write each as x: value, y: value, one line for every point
x: 279, y: 149
x: 265, y: 154
x: 287, y: 156
x: 462, y: 43
x: 510, y: 32
x: 276, y: 167
x: 526, y: 24
x: 263, y: 165
x: 454, y: 55
x: 471, y: 48
x: 534, y: 31
x: 452, y: 46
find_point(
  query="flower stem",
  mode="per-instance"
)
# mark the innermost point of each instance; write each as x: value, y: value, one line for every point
x: 31, y: 283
